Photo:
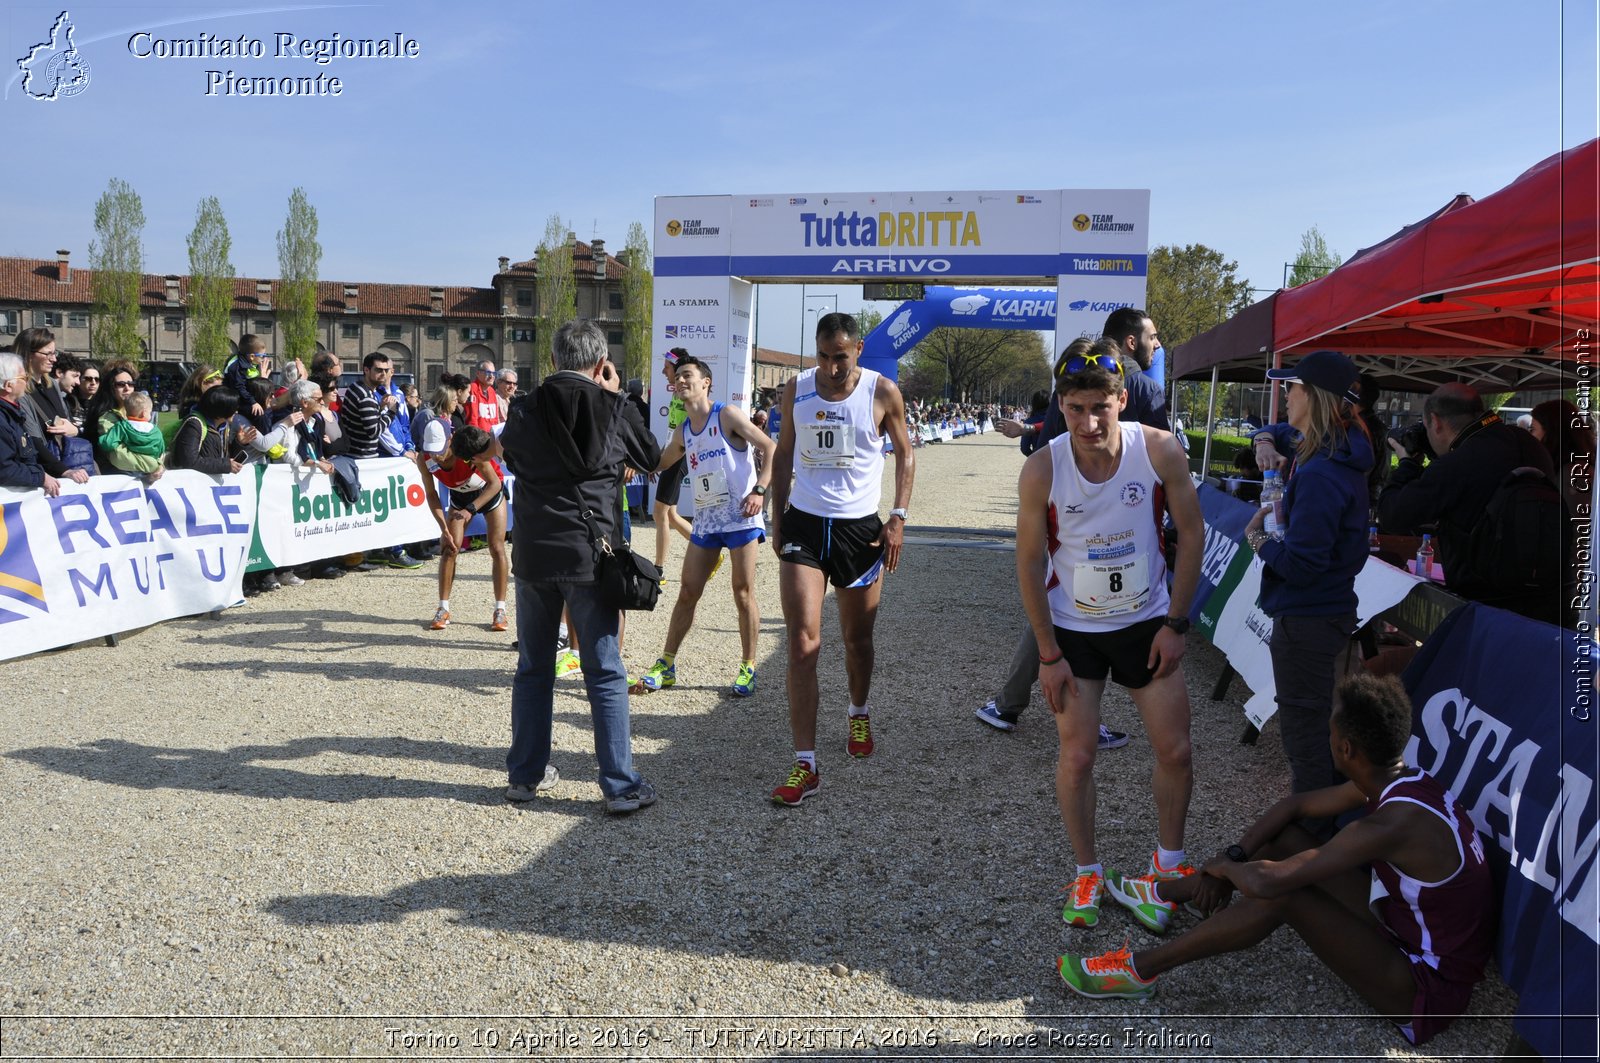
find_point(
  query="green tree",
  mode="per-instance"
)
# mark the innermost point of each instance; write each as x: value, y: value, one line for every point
x: 210, y: 283
x: 868, y: 319
x: 116, y: 255
x: 638, y: 303
x: 299, y: 258
x: 1314, y: 260
x: 557, y: 287
x: 972, y: 365
x: 1191, y: 289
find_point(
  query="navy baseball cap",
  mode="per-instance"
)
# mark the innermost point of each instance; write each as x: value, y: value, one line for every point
x: 1328, y: 371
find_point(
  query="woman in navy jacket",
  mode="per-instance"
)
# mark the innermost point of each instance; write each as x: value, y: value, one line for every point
x: 1308, y: 576
x: 19, y: 461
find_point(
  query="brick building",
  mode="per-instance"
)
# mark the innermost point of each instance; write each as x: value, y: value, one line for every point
x: 424, y: 329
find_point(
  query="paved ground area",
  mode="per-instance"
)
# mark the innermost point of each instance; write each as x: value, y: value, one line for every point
x: 296, y: 811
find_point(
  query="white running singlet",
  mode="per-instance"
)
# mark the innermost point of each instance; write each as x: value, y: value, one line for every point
x: 838, y: 451
x: 1107, y: 557
x: 720, y: 475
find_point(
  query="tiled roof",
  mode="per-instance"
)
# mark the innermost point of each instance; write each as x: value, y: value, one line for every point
x: 582, y: 264
x: 33, y: 281
x: 767, y: 356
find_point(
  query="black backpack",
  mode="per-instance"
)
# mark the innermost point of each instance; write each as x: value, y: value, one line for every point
x: 1522, y: 541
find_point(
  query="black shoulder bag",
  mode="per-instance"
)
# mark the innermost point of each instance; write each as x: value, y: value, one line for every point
x: 627, y: 580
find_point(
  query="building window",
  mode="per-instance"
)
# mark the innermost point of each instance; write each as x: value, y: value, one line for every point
x: 263, y: 325
x: 8, y: 322
x: 391, y: 332
x: 77, y: 320
x: 614, y: 337
x: 172, y: 324
x: 522, y: 335
x: 350, y: 332
x: 436, y: 332
x: 614, y: 300
x: 477, y: 333
x: 525, y: 297
x: 46, y: 319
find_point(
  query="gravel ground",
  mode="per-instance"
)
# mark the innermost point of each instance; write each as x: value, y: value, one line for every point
x: 282, y: 834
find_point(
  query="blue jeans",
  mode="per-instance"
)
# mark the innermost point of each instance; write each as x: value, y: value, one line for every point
x: 533, y: 689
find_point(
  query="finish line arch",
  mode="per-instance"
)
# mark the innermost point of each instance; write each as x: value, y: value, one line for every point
x: 711, y: 251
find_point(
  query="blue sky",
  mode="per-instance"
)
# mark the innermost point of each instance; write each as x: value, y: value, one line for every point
x: 1249, y: 122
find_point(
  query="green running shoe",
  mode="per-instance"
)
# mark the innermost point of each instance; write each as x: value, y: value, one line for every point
x: 1183, y: 870
x: 660, y: 675
x: 1138, y: 895
x: 1083, y: 908
x: 567, y: 663
x: 744, y: 684
x: 1110, y: 974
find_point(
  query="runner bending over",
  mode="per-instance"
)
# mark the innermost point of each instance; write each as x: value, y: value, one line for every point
x: 463, y: 464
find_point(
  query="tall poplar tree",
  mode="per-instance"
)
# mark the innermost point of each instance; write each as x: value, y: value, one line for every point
x: 116, y: 257
x: 638, y: 303
x: 299, y: 257
x: 210, y: 283
x: 557, y: 287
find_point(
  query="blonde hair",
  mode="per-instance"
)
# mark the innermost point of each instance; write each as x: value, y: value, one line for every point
x: 1328, y: 422
x: 137, y: 404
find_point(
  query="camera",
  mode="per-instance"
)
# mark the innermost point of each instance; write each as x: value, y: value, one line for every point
x: 1414, y: 437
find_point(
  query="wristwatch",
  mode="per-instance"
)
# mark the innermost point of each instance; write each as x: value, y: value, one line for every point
x: 1255, y: 540
x: 1236, y: 853
x: 758, y: 490
x: 1180, y: 624
x: 898, y: 512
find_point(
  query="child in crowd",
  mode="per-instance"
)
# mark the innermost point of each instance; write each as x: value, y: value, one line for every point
x: 135, y: 432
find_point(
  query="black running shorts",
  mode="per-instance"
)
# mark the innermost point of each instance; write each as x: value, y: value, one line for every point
x: 1123, y: 652
x: 466, y: 499
x: 848, y: 550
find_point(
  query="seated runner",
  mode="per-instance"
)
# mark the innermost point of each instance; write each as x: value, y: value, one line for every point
x: 1411, y: 935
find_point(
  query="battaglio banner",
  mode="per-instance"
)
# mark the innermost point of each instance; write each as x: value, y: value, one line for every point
x: 303, y: 519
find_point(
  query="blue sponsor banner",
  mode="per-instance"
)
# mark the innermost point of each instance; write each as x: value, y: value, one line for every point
x: 1225, y: 518
x: 872, y: 263
x: 1505, y: 719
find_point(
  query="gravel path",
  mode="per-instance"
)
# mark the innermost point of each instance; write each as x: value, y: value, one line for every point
x: 281, y: 834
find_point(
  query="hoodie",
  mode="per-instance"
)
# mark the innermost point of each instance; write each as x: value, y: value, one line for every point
x: 1312, y: 570
x: 569, y: 432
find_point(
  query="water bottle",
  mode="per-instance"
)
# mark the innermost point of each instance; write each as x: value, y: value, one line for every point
x: 1373, y: 546
x: 1425, y: 558
x: 1272, y: 501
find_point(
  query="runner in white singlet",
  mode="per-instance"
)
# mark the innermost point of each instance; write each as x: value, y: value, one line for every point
x: 835, y: 420
x: 719, y: 445
x: 1092, y: 572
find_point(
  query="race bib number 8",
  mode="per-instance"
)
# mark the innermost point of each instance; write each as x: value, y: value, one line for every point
x: 1111, y: 590
x: 831, y: 445
x: 710, y: 489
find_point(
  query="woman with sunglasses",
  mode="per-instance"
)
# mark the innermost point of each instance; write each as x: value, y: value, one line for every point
x: 118, y: 380
x: 1308, y: 575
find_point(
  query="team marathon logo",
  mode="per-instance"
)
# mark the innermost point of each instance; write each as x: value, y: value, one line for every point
x: 1101, y: 223
x: 20, y: 588
x: 691, y: 227
x: 55, y: 69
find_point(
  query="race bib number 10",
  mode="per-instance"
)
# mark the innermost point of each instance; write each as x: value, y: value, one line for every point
x: 831, y: 445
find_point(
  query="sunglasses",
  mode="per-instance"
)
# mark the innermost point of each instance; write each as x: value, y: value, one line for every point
x: 1079, y: 362
x: 122, y: 383
x: 90, y: 379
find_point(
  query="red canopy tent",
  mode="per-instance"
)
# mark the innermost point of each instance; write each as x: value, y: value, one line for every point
x: 1503, y: 293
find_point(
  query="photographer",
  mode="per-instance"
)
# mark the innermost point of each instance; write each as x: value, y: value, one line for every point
x: 1476, y: 451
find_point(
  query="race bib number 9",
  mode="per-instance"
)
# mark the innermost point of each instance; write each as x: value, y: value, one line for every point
x: 1111, y: 590
x: 710, y: 489
x: 831, y: 445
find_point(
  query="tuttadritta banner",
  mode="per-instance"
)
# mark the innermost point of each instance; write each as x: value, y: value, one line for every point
x: 113, y: 555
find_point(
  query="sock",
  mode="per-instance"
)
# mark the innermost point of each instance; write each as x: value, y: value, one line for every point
x: 499, y: 605
x: 806, y: 756
x: 1091, y: 869
x: 670, y: 658
x: 857, y: 710
x: 1168, y: 859
x: 561, y: 632
x: 444, y: 603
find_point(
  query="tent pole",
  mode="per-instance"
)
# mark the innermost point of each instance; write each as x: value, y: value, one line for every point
x: 1275, y: 360
x: 1211, y: 424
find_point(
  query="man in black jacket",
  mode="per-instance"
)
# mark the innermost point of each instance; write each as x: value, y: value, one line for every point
x: 1476, y: 451
x: 567, y: 442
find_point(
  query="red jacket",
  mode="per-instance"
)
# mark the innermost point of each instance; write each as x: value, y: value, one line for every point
x: 483, y: 408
